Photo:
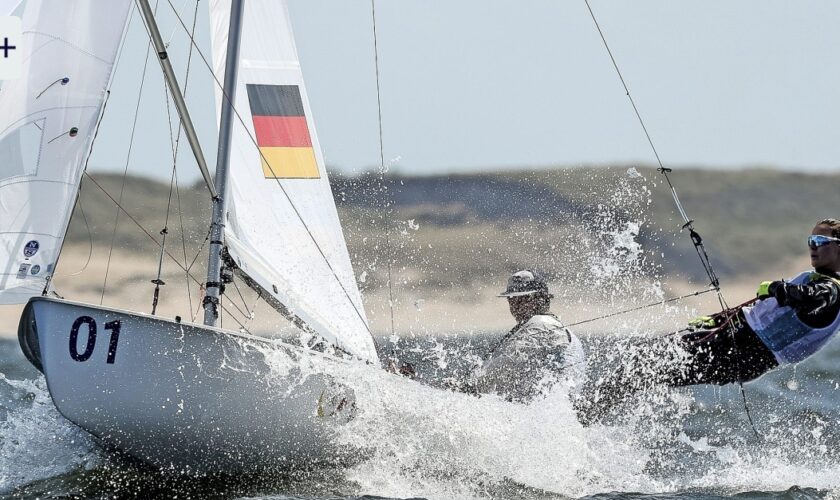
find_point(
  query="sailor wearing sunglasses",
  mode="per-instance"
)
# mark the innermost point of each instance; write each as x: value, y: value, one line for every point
x: 786, y: 323
x: 789, y: 321
x: 795, y: 318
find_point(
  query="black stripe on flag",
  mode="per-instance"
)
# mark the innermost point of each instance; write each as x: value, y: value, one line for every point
x: 275, y: 100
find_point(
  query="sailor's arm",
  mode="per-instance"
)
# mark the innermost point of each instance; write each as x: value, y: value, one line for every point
x: 808, y: 298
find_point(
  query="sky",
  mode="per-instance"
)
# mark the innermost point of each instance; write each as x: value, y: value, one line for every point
x: 479, y: 85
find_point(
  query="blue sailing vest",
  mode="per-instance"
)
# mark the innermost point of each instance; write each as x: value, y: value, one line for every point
x: 790, y: 340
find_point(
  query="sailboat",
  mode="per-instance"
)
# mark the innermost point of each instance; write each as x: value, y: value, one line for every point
x: 191, y: 397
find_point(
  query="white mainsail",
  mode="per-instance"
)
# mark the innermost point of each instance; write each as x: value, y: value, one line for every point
x: 47, y: 122
x: 282, y: 227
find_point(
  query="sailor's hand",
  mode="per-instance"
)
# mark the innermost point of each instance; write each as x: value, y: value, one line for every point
x: 702, y: 322
x: 779, y: 290
x: 769, y: 289
x: 763, y: 291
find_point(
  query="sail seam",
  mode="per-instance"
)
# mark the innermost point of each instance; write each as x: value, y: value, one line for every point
x: 20, y: 179
x: 69, y: 44
x: 40, y: 111
x: 260, y: 64
x: 29, y: 232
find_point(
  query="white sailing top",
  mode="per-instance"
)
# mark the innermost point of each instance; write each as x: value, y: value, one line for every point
x: 531, y: 359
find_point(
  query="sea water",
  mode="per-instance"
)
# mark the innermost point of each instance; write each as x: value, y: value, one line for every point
x: 422, y: 441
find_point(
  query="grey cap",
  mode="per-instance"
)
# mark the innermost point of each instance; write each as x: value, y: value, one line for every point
x: 525, y: 282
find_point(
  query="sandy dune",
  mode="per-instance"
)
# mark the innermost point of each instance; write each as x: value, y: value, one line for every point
x: 417, y: 310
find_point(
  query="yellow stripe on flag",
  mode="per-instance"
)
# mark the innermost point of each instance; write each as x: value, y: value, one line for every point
x: 289, y: 163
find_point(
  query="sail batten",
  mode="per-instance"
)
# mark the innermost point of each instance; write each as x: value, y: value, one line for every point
x: 282, y: 227
x: 48, y: 119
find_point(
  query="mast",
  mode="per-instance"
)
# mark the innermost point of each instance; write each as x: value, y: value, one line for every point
x: 175, y: 90
x: 214, y: 266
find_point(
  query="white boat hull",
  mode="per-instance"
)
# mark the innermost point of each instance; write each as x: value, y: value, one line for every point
x: 183, y: 396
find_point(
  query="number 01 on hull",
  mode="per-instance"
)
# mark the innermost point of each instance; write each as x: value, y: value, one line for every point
x: 171, y: 394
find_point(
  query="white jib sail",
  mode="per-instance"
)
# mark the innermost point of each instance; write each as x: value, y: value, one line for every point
x: 47, y: 122
x: 282, y: 226
x: 8, y: 6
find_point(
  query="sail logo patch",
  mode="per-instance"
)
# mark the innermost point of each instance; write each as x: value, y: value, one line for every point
x: 22, y: 270
x: 31, y: 248
x: 35, y: 270
x: 282, y: 132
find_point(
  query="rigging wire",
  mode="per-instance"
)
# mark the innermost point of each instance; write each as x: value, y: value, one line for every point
x: 279, y: 184
x: 388, y: 213
x: 198, y: 253
x: 158, y: 282
x: 183, y: 239
x: 253, y: 308
x: 646, y: 306
x: 198, y: 308
x: 125, y: 36
x: 177, y: 143
x: 175, y: 29
x: 147, y: 233
x: 244, y: 303
x: 127, y: 162
x: 688, y: 223
x: 239, y: 310
x: 173, y: 181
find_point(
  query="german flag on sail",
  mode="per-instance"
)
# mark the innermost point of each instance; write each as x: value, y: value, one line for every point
x: 282, y: 133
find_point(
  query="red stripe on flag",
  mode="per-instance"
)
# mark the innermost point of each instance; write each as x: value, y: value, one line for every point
x: 282, y: 131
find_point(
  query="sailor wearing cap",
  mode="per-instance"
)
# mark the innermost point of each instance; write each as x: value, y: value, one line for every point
x: 537, y: 353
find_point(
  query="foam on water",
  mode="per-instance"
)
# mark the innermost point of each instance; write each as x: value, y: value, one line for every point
x: 424, y: 441
x: 36, y: 442
x: 418, y: 440
x: 436, y: 443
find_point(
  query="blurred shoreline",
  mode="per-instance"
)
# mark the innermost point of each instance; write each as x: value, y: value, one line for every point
x: 470, y: 310
x: 608, y: 239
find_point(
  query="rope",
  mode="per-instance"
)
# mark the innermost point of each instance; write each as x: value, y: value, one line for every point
x: 279, y: 184
x: 382, y: 166
x: 747, y: 408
